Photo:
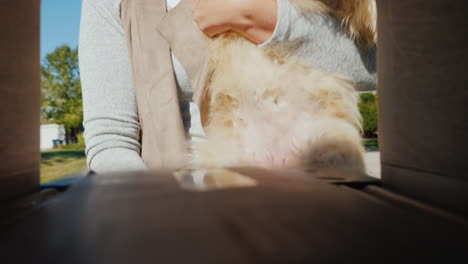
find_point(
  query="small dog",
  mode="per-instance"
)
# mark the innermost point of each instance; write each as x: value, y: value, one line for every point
x: 267, y: 109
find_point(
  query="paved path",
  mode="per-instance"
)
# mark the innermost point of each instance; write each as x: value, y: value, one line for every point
x: 372, y: 160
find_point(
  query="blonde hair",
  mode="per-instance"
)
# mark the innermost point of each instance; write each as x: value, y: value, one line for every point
x: 358, y: 17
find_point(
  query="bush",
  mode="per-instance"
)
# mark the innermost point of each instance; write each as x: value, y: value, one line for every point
x: 80, y: 144
x: 368, y: 108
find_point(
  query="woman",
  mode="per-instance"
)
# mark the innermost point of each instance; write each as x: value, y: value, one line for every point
x: 111, y: 119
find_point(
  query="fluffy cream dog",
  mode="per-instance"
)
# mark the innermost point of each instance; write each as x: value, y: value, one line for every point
x: 265, y: 108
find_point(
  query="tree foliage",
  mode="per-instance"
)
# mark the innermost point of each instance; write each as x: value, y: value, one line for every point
x: 368, y: 107
x: 61, y: 90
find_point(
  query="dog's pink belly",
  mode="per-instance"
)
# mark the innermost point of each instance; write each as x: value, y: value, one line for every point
x: 274, y: 142
x: 269, y: 151
x: 299, y: 140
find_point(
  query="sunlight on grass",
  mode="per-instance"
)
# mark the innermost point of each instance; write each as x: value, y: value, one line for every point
x: 58, y: 163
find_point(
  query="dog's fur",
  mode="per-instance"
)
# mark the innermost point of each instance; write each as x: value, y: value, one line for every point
x: 262, y: 108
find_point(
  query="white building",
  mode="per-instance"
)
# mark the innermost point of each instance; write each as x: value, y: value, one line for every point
x: 51, y: 133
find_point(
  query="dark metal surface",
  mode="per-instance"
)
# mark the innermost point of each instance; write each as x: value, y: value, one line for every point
x: 286, y: 218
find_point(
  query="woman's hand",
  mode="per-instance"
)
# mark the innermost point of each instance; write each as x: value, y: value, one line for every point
x: 253, y: 19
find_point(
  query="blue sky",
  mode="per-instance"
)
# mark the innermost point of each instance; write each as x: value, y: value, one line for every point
x: 60, y: 23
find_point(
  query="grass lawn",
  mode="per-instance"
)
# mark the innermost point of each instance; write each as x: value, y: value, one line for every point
x: 370, y: 144
x: 58, y: 163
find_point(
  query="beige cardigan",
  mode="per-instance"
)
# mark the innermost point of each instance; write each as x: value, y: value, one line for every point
x: 151, y: 33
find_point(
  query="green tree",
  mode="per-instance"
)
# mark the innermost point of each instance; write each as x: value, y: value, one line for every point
x: 368, y: 108
x: 61, y: 91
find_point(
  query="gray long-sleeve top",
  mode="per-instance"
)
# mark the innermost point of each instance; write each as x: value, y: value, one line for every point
x: 111, y: 122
